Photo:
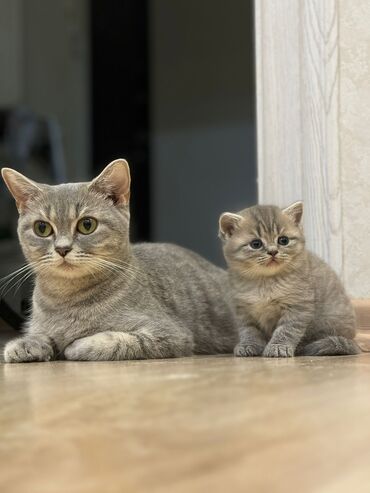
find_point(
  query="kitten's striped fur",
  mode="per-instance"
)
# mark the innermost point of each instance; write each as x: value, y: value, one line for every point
x: 288, y: 301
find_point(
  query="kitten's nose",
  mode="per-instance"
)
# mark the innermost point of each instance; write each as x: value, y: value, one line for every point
x: 272, y: 252
x: 63, y: 250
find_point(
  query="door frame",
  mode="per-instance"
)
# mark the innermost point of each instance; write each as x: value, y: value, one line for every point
x: 297, y: 65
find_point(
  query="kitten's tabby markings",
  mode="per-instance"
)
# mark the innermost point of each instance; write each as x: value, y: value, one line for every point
x: 289, y: 302
x: 96, y: 296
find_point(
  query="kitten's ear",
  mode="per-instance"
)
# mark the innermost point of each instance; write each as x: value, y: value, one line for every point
x: 295, y: 212
x: 20, y: 187
x: 228, y: 223
x: 114, y: 182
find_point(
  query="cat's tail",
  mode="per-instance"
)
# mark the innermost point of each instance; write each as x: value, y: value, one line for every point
x: 331, y: 346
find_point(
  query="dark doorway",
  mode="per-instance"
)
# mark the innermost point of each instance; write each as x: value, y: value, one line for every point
x: 203, y: 125
x: 120, y: 97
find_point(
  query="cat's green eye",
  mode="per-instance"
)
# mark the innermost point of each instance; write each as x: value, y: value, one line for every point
x: 87, y: 225
x: 42, y: 228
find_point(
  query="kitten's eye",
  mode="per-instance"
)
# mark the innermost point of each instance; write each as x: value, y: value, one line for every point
x: 283, y: 240
x: 87, y: 225
x: 255, y: 244
x: 42, y: 228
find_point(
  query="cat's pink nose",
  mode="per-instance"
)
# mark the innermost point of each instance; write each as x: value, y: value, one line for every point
x: 63, y: 250
x: 272, y: 252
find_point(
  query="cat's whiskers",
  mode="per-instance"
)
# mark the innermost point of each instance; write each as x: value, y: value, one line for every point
x: 21, y: 281
x: 93, y: 265
x: 100, y: 265
x: 18, y: 271
x: 20, y: 275
x: 11, y: 283
x: 129, y: 266
x: 117, y: 268
x: 116, y: 265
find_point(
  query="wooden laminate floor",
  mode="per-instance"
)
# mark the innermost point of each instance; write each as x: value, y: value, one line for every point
x: 216, y: 424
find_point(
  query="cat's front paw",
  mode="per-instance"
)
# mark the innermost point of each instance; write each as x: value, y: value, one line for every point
x: 25, y: 350
x: 278, y: 351
x: 91, y: 348
x: 243, y: 350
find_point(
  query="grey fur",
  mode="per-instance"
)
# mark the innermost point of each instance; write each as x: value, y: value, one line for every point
x: 295, y: 305
x: 115, y: 301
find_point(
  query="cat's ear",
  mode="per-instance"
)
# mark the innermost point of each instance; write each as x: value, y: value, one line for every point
x: 23, y: 189
x: 228, y: 223
x: 295, y: 212
x: 114, y: 182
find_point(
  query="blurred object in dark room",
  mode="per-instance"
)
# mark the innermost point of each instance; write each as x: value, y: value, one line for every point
x: 32, y: 145
x: 26, y: 134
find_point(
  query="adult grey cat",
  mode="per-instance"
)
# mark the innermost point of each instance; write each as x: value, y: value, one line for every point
x: 96, y: 296
x: 289, y: 301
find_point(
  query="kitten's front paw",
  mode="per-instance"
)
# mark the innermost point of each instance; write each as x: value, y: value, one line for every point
x: 25, y: 350
x: 248, y: 350
x: 278, y: 351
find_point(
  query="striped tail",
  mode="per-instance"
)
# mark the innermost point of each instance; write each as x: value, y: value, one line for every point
x: 331, y: 346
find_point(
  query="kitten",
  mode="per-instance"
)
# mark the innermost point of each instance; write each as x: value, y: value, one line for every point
x: 289, y: 301
x: 96, y: 296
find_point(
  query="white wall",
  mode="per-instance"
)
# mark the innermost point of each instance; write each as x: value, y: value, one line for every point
x: 313, y: 97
